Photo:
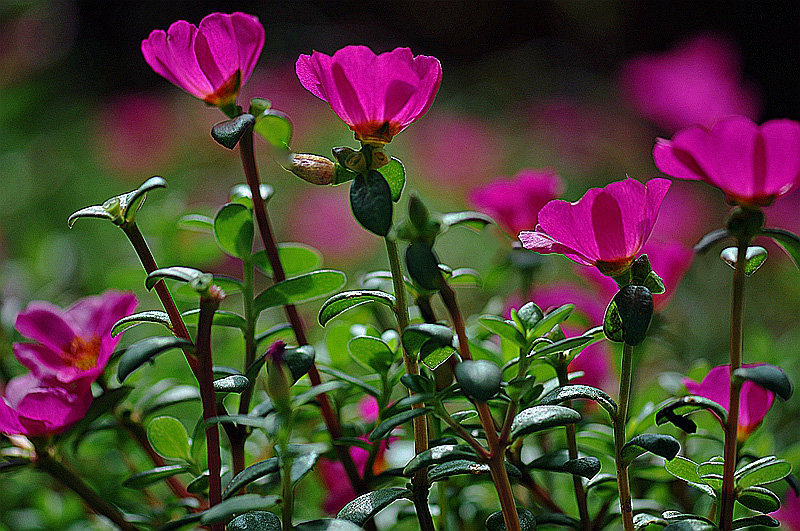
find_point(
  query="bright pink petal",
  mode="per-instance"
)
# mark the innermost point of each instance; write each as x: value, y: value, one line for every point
x: 172, y: 55
x: 18, y: 387
x: 368, y: 409
x: 51, y: 410
x: 46, y: 323
x: 41, y: 360
x: 789, y: 513
x: 9, y: 420
x: 542, y: 243
x: 755, y: 404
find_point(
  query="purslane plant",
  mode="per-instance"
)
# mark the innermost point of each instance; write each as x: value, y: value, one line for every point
x: 503, y: 396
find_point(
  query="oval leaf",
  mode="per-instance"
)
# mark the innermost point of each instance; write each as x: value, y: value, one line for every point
x: 789, y: 241
x: 423, y: 266
x: 236, y: 383
x: 385, y: 428
x: 759, y: 499
x: 150, y: 477
x: 221, y: 318
x: 371, y: 353
x: 438, y: 455
x: 223, y: 511
x: 360, y: 510
x: 371, y: 202
x: 502, y: 328
x: 234, y: 229
x: 755, y: 258
x: 145, y: 350
x: 472, y: 220
x: 250, y: 474
x: 665, y: 446
x: 577, y: 392
x: 300, y: 289
x: 196, y: 278
x: 341, y: 302
x: 229, y: 132
x: 769, y: 377
x: 479, y: 379
x: 139, y: 318
x: 296, y: 259
x: 255, y: 521
x: 169, y: 438
x: 416, y: 335
x: 327, y: 524
x: 464, y: 466
x: 395, y: 175
x: 539, y: 418
x: 274, y: 127
x: 527, y: 521
x: 762, y: 472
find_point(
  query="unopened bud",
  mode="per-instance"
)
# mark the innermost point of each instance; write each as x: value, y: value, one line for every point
x: 278, y: 382
x: 312, y: 168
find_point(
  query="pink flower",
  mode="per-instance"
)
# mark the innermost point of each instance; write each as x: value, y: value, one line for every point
x: 687, y: 214
x: 30, y: 407
x: 71, y: 346
x: 376, y: 95
x: 669, y: 260
x: 368, y: 409
x: 789, y: 513
x: 698, y: 82
x: 752, y: 164
x: 335, y: 481
x: 210, y: 61
x: 754, y: 403
x: 515, y: 203
x: 605, y: 228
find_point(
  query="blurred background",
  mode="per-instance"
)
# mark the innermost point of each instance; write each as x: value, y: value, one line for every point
x: 581, y: 88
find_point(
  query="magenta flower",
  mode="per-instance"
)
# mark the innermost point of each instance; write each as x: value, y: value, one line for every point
x: 789, y: 513
x: 754, y: 404
x: 30, y: 407
x: 210, y: 61
x: 334, y: 478
x: 515, y: 203
x: 752, y: 164
x: 697, y: 82
x: 605, y: 228
x: 376, y: 95
x: 71, y: 346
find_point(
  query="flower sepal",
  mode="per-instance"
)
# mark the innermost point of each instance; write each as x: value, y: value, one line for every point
x: 120, y: 209
x: 628, y: 316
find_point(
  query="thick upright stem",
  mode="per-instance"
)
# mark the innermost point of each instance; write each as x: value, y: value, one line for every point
x: 572, y: 447
x: 623, y: 483
x: 208, y: 305
x: 497, y: 464
x: 732, y: 428
x: 420, y: 424
x: 68, y: 478
x: 131, y: 230
x: 271, y: 248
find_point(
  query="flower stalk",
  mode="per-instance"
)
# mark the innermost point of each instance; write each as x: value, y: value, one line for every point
x: 620, y: 421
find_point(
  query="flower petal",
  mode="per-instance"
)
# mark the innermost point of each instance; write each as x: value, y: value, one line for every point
x: 48, y: 324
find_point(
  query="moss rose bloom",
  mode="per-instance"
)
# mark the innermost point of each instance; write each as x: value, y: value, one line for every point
x: 210, y: 61
x: 752, y: 164
x: 605, y: 228
x: 376, y: 95
x: 32, y: 408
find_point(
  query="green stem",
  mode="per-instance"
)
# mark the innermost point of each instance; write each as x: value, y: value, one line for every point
x: 572, y: 446
x: 420, y: 424
x: 623, y: 483
x: 287, y: 505
x: 497, y: 451
x: 270, y: 246
x: 732, y: 428
x: 97, y: 503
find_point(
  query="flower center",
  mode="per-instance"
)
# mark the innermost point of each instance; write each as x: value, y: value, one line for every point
x: 82, y: 353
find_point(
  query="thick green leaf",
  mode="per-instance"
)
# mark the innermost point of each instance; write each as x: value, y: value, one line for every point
x: 559, y: 461
x: 225, y: 510
x: 145, y: 350
x: 686, y: 469
x: 308, y: 396
x: 300, y: 289
x: 299, y: 360
x: 346, y: 300
x: 562, y: 345
x: 418, y: 383
x: 465, y: 466
x: 578, y: 392
x: 423, y: 266
x: 769, y: 377
x: 759, y: 499
x: 789, y: 241
x: 327, y: 524
x: 471, y: 220
x: 169, y: 438
x: 642, y: 520
x: 438, y: 455
x: 371, y: 202
x: 539, y: 418
x: 677, y: 411
x: 527, y: 521
x: 433, y: 356
x: 360, y: 510
x: 395, y: 175
x: 151, y: 477
x: 367, y: 388
x: 255, y: 521
x: 180, y: 522
x: 221, y: 318
x: 194, y: 277
x: 503, y: 328
x: 759, y: 519
x: 241, y: 420
x: 296, y: 259
x: 281, y: 331
x: 557, y: 316
x: 94, y: 211
x: 755, y: 258
x: 197, y: 223
x: 761, y: 472
x: 274, y: 127
x: 600, y: 480
x: 235, y: 383
x: 175, y: 395
x: 371, y: 353
x: 479, y: 379
x: 628, y: 315
x: 242, y: 194
x: 229, y: 132
x: 385, y: 428
x: 234, y: 229
x: 250, y: 474
x: 139, y: 318
x: 417, y: 335
x: 464, y: 276
x: 690, y: 525
x: 665, y: 446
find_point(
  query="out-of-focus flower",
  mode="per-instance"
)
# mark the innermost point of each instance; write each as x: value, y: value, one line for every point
x: 669, y: 260
x: 789, y: 513
x: 687, y: 214
x: 30, y: 407
x: 754, y: 403
x: 605, y: 228
x: 71, y: 346
x: 697, y: 82
x: 321, y: 218
x: 376, y: 95
x: 210, y: 61
x: 751, y: 164
x: 515, y: 203
x: 368, y: 409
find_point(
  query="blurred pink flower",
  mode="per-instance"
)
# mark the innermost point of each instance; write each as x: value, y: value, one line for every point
x: 321, y: 217
x: 754, y: 403
x: 751, y: 164
x: 669, y: 260
x: 605, y: 228
x: 376, y: 95
x: 785, y: 214
x: 368, y: 409
x: 697, y: 82
x: 31, y: 407
x: 71, y: 346
x: 789, y: 513
x: 210, y: 61
x: 687, y: 214
x: 515, y: 203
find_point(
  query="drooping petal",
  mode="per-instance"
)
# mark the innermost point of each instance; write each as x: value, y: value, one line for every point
x: 51, y: 410
x: 543, y: 243
x: 47, y: 324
